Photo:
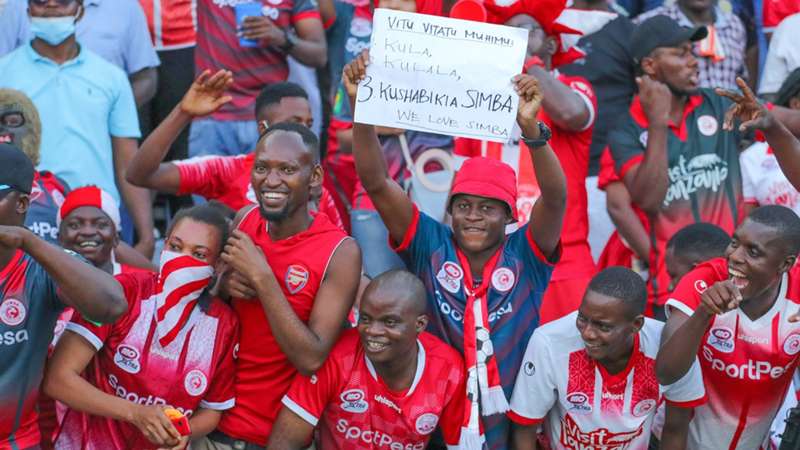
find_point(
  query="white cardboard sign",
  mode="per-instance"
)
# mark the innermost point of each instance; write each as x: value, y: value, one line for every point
x: 442, y: 75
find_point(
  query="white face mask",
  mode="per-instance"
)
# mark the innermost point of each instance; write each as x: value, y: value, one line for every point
x: 53, y: 30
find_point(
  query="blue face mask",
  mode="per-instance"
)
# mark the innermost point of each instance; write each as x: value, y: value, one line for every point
x: 53, y: 30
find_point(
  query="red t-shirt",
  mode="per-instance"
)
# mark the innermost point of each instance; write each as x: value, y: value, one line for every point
x: 747, y: 364
x: 353, y: 409
x: 572, y: 150
x: 776, y: 10
x: 227, y: 180
x: 196, y: 370
x: 263, y: 372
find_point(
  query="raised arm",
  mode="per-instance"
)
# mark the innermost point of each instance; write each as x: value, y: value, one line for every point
x: 567, y: 109
x: 392, y: 203
x: 306, y: 345
x: 205, y: 96
x: 548, y: 211
x: 136, y: 199
x: 94, y: 293
x: 753, y: 115
x: 648, y: 182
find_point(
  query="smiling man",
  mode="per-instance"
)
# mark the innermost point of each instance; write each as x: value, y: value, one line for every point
x: 386, y: 385
x: 591, y: 375
x: 738, y: 315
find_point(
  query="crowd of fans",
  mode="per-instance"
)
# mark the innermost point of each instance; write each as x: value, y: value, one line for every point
x: 200, y: 248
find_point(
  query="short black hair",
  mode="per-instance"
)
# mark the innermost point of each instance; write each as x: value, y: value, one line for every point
x: 622, y: 284
x: 702, y: 240
x: 404, y: 282
x: 790, y: 88
x: 784, y: 221
x: 309, y: 138
x: 207, y: 213
x: 275, y: 92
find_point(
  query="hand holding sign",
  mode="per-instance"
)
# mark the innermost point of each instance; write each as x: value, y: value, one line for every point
x: 354, y: 73
x: 530, y: 100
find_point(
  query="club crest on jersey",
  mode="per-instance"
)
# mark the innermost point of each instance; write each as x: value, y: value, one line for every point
x: 195, y: 382
x: 12, y: 312
x: 707, y: 125
x: 644, y: 407
x: 296, y: 278
x: 503, y: 279
x: 450, y: 276
x: 353, y: 401
x: 792, y: 344
x: 426, y: 423
x: 721, y: 338
x: 127, y: 359
x: 579, y: 403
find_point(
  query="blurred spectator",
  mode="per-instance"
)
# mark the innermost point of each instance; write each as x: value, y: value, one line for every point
x: 720, y: 55
x: 89, y: 124
x: 14, y: 29
x: 783, y: 56
x: 776, y: 11
x: 285, y: 27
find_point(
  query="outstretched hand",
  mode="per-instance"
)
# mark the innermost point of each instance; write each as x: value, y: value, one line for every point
x: 746, y: 108
x: 354, y: 72
x: 530, y: 101
x: 206, y: 94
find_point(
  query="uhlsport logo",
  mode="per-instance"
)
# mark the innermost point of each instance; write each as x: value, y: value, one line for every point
x: 449, y: 276
x: 644, y: 407
x: 296, y: 278
x: 721, y: 338
x: 353, y: 401
x: 503, y: 279
x: 127, y: 359
x: 195, y: 382
x: 12, y: 312
x: 578, y: 402
x: 530, y: 368
x: 426, y: 423
x: 792, y: 344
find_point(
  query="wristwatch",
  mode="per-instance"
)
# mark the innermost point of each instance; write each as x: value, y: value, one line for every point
x: 291, y: 40
x: 541, y: 141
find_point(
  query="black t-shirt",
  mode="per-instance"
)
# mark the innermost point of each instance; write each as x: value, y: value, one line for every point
x: 609, y: 67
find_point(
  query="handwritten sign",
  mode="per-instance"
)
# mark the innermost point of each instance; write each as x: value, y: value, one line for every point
x: 441, y: 75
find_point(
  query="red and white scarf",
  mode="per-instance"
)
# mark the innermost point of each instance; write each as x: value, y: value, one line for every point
x: 181, y: 280
x: 484, y: 391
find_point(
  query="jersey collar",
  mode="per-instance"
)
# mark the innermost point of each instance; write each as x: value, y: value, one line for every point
x: 769, y: 316
x: 613, y: 378
x: 680, y: 130
x: 417, y: 376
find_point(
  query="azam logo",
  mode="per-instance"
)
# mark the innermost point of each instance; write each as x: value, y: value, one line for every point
x: 127, y: 359
x: 12, y: 312
x: 579, y: 403
x: 450, y: 276
x: 195, y: 382
x: 296, y: 278
x: 353, y: 401
x: 721, y: 338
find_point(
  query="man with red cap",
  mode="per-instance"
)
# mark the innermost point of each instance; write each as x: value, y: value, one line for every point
x: 568, y: 109
x: 484, y: 288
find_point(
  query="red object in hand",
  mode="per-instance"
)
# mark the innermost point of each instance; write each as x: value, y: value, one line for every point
x: 179, y: 421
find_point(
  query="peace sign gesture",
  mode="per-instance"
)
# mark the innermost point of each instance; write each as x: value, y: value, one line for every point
x: 746, y: 108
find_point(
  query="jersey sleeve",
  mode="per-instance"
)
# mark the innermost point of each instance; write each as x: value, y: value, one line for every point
x: 537, y: 266
x: 688, y: 391
x: 305, y: 9
x: 208, y: 176
x: 138, y: 50
x: 686, y: 296
x: 308, y: 396
x: 607, y: 173
x: 746, y: 163
x: 535, y: 389
x: 221, y: 394
x: 583, y: 88
x: 453, y: 412
x: 97, y: 334
x: 422, y: 238
x: 123, y: 120
x: 627, y: 147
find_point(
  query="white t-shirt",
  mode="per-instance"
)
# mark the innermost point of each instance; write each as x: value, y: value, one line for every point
x: 763, y: 181
x: 783, y: 56
x: 581, y: 405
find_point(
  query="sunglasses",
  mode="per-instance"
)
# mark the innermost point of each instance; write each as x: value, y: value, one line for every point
x: 45, y: 2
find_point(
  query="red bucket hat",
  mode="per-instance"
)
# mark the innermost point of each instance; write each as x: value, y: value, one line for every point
x: 486, y: 177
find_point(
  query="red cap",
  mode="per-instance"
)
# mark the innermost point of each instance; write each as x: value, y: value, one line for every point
x: 90, y: 196
x: 469, y: 10
x: 487, y: 177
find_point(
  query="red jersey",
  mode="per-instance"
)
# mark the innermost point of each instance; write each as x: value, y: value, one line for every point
x: 747, y: 364
x: 227, y: 180
x: 196, y: 370
x: 353, y: 409
x: 172, y: 23
x: 572, y: 150
x: 263, y: 372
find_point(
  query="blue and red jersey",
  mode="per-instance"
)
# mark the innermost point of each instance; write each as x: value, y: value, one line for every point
x: 514, y: 297
x: 29, y: 308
